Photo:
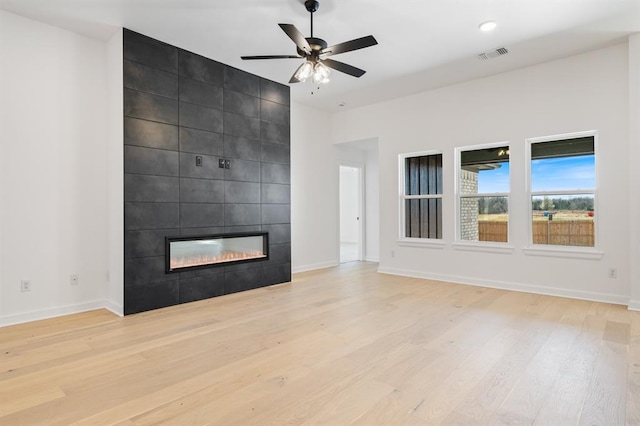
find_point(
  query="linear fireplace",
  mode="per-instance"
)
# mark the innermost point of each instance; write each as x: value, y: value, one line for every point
x: 185, y: 253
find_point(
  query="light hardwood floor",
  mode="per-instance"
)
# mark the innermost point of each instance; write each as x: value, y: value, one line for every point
x: 338, y: 346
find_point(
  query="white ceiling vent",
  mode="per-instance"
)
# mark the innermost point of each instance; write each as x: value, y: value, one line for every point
x: 493, y: 54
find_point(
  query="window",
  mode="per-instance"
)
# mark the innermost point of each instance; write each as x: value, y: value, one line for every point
x: 483, y: 193
x: 421, y: 195
x: 562, y: 190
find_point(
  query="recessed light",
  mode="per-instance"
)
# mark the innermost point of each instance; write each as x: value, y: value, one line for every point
x: 341, y: 104
x: 488, y: 26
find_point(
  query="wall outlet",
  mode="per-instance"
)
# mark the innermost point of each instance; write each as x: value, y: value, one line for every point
x: 613, y: 273
x: 75, y: 279
x: 393, y: 253
x: 25, y: 285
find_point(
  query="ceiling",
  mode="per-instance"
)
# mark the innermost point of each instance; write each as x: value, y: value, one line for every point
x: 423, y: 44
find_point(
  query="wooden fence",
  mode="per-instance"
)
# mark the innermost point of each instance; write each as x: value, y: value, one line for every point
x: 559, y: 232
x: 493, y: 231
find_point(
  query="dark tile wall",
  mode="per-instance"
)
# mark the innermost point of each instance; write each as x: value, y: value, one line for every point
x: 179, y: 106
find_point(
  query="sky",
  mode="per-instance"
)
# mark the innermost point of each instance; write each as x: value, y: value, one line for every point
x: 563, y: 173
x: 496, y: 180
x: 548, y: 174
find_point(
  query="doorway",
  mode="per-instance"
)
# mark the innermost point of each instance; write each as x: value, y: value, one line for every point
x: 351, y: 212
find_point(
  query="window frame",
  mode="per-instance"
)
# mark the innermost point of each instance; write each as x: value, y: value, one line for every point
x: 493, y: 246
x: 403, y: 197
x: 560, y: 250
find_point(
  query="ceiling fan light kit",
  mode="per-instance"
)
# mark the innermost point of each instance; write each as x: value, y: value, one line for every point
x: 315, y: 52
x: 304, y: 71
x: 321, y: 73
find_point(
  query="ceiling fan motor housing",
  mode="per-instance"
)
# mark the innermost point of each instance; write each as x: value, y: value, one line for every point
x: 316, y: 44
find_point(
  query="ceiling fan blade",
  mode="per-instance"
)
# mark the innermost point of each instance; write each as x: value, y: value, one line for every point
x: 271, y: 57
x: 297, y: 37
x: 348, y: 46
x: 345, y: 68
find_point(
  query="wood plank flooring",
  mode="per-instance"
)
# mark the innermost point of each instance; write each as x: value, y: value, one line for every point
x: 343, y: 345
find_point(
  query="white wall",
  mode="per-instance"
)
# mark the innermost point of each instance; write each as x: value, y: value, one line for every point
x: 372, y: 206
x: 315, y: 162
x: 114, y: 291
x: 585, y: 92
x: 314, y: 191
x: 634, y: 170
x: 53, y: 170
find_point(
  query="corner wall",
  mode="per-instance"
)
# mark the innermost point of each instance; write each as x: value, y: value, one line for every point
x: 114, y: 291
x: 53, y: 170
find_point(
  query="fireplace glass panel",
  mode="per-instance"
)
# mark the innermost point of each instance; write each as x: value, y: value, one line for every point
x: 209, y: 251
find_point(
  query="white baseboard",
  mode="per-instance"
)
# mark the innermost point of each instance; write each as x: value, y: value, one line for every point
x: 634, y: 305
x: 314, y: 266
x: 116, y: 308
x: 58, y: 311
x: 525, y: 288
x: 372, y: 259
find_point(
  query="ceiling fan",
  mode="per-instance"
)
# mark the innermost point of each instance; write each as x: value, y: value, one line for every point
x: 315, y: 52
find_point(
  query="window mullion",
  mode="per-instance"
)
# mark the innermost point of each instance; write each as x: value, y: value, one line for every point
x: 421, y: 197
x: 563, y: 192
x: 487, y: 195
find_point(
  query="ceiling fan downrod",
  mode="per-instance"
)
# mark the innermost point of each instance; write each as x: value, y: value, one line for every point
x: 312, y: 6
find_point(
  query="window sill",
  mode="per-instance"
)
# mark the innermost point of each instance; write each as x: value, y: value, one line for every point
x: 485, y: 247
x: 571, y: 253
x: 422, y: 243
